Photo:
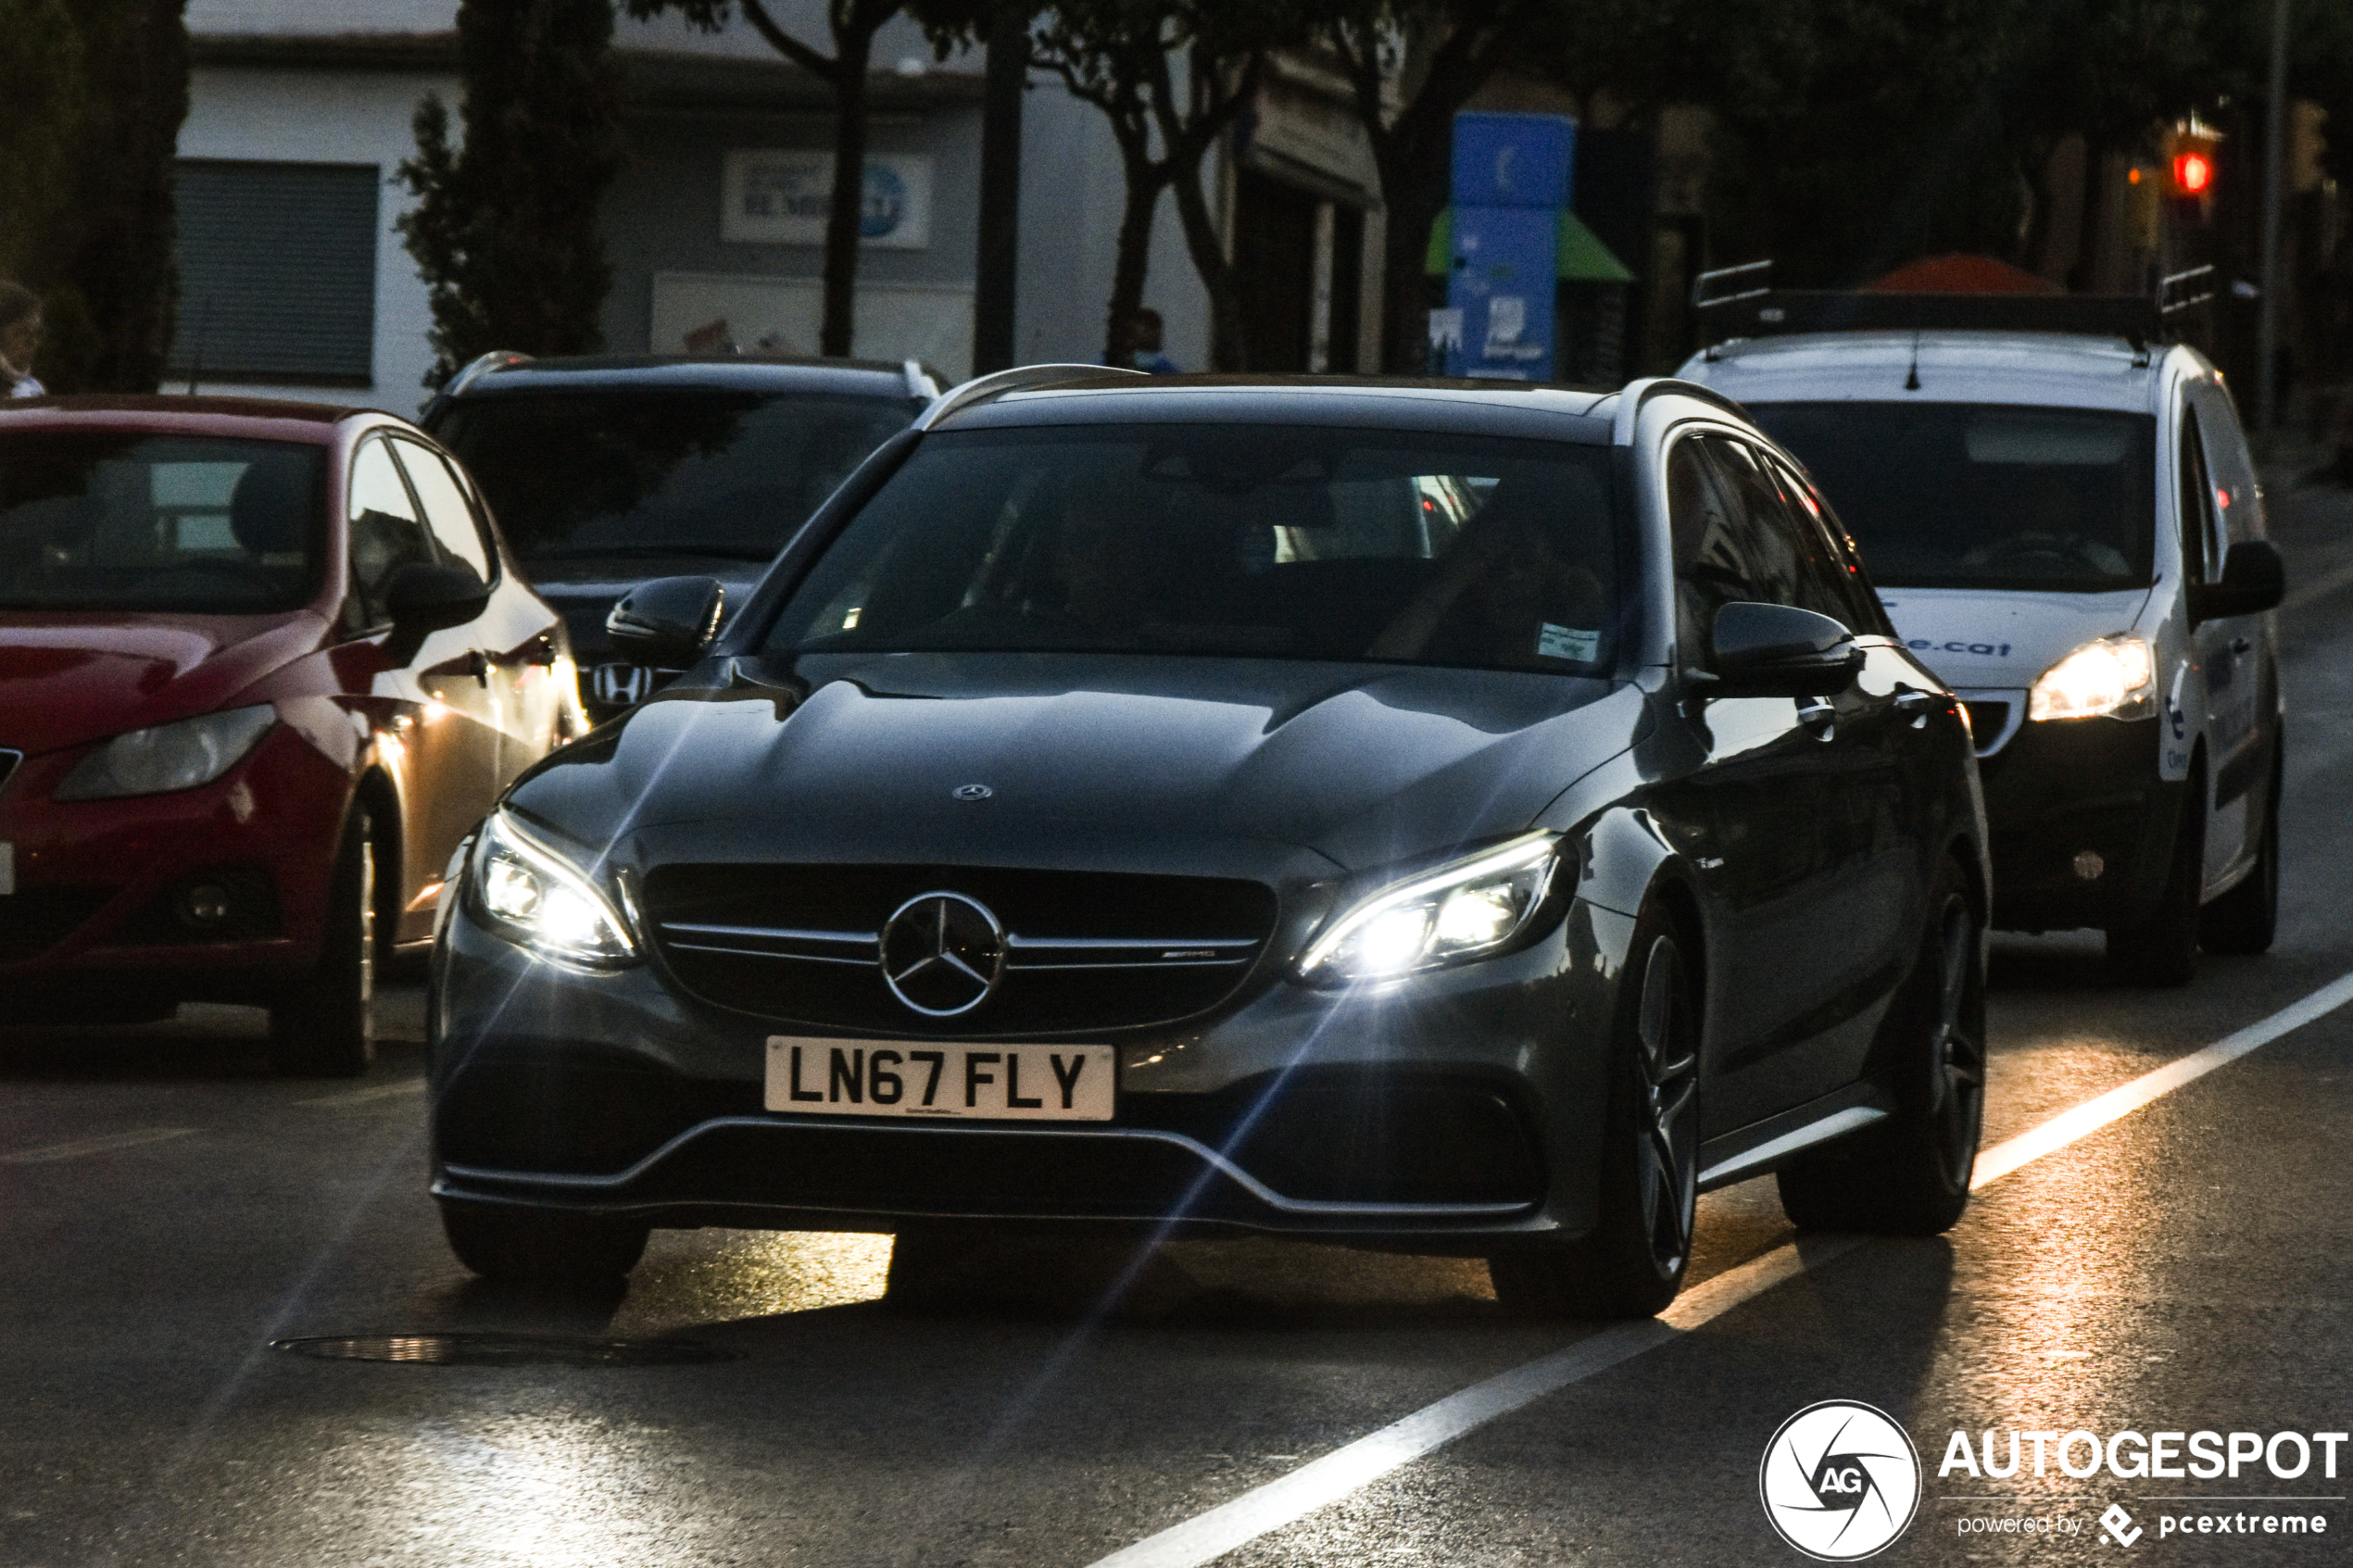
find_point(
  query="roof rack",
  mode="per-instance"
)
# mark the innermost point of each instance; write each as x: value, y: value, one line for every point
x: 919, y: 382
x: 1734, y: 302
x: 482, y: 365
x: 1021, y: 378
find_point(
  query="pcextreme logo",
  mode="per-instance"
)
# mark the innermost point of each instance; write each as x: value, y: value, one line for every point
x: 1840, y: 1481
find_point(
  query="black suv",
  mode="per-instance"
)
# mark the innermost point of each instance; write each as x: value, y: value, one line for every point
x: 605, y: 472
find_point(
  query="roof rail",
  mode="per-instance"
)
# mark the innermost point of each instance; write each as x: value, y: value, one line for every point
x: 480, y: 366
x: 919, y: 382
x: 2196, y: 278
x: 1637, y: 392
x: 1774, y: 312
x: 1021, y: 378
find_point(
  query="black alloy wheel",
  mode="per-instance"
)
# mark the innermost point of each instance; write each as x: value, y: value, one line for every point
x: 1631, y: 1264
x: 323, y: 1026
x: 2160, y: 949
x: 1910, y: 1174
x: 2245, y: 919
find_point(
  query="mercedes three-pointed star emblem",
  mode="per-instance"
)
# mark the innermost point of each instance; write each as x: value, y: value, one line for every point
x: 942, y: 953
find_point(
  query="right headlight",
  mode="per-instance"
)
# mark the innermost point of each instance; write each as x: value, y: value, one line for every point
x: 168, y: 757
x: 535, y: 898
x: 2111, y: 678
x: 1469, y: 910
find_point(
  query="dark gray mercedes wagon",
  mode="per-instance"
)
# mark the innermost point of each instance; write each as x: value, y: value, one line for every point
x: 1448, y: 816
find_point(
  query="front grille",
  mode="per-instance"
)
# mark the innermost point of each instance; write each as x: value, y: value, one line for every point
x: 1084, y: 949
x: 34, y: 920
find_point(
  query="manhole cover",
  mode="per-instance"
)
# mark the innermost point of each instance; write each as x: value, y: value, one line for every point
x: 504, y: 1350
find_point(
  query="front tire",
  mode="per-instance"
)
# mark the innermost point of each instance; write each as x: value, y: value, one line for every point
x: 2245, y: 919
x: 324, y: 1025
x: 2160, y: 949
x: 522, y: 1246
x: 1631, y: 1264
x: 1910, y: 1174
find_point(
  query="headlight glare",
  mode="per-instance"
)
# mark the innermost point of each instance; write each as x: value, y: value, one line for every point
x: 534, y: 898
x: 1467, y: 911
x: 2113, y: 678
x: 168, y: 757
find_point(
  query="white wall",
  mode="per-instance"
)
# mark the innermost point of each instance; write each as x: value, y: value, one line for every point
x: 313, y: 116
x: 1071, y: 192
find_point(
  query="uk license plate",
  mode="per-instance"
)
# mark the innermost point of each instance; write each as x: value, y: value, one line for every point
x: 974, y: 1082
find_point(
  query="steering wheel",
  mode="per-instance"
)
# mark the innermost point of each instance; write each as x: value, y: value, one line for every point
x: 2020, y: 549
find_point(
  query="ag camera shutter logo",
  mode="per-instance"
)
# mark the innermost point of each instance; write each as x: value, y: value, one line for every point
x: 1840, y: 1481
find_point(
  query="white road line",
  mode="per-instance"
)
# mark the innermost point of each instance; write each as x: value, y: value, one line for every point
x: 372, y: 1092
x: 1207, y: 1536
x: 1994, y: 1163
x: 48, y: 1154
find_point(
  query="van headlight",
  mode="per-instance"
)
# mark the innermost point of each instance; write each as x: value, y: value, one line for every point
x: 1470, y: 910
x: 2112, y: 677
x: 168, y: 757
x: 532, y: 897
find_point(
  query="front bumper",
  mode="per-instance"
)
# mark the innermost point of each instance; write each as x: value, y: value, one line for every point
x: 2060, y: 789
x: 98, y: 913
x: 1439, y: 1112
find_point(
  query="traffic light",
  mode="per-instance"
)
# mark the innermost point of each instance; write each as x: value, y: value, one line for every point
x: 2189, y: 158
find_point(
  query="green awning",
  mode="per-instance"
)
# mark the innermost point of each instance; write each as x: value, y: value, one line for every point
x: 1584, y: 259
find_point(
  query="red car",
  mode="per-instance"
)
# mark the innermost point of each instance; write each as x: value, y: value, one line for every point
x: 262, y: 666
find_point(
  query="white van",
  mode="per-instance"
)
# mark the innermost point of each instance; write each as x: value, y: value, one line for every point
x: 2066, y: 526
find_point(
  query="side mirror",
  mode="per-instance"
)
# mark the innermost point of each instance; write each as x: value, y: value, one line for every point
x: 666, y: 624
x: 425, y: 596
x: 1780, y: 650
x: 2254, y: 580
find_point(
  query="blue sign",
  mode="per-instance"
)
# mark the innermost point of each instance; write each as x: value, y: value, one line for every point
x: 1513, y: 159
x: 1511, y: 181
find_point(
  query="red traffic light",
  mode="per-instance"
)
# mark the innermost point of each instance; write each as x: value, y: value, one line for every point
x: 2193, y: 173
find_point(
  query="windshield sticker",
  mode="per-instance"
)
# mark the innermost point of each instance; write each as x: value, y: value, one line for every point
x: 1984, y: 650
x: 1565, y: 642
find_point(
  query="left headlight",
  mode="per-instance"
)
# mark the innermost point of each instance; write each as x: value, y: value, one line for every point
x: 2111, y: 678
x: 168, y: 757
x: 535, y: 898
x: 1469, y: 910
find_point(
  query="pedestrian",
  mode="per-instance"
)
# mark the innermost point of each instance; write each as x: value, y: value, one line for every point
x: 1143, y: 346
x: 20, y: 339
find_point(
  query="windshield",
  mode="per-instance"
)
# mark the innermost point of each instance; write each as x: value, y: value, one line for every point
x: 1270, y: 541
x: 1983, y: 495
x: 153, y: 522
x: 647, y: 473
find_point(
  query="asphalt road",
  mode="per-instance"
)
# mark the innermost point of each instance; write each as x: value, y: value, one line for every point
x: 168, y: 1209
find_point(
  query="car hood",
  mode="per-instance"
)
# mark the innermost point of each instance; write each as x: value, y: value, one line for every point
x: 67, y: 680
x: 583, y: 588
x: 1987, y: 638
x: 1084, y: 758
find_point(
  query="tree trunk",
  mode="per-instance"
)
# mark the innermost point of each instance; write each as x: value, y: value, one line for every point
x: 1134, y: 255
x: 1413, y: 181
x: 847, y: 207
x: 1229, y: 336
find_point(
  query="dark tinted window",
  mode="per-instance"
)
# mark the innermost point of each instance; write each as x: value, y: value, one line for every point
x: 1278, y: 542
x: 661, y: 473
x: 386, y: 533
x: 1714, y: 558
x: 1954, y: 494
x: 157, y: 522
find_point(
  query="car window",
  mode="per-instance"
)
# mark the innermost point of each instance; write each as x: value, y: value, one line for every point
x: 454, y: 525
x: 1794, y: 565
x: 1278, y: 542
x: 386, y: 533
x: 158, y: 522
x: 655, y: 470
x: 2201, y: 545
x: 1715, y: 560
x: 1983, y: 495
